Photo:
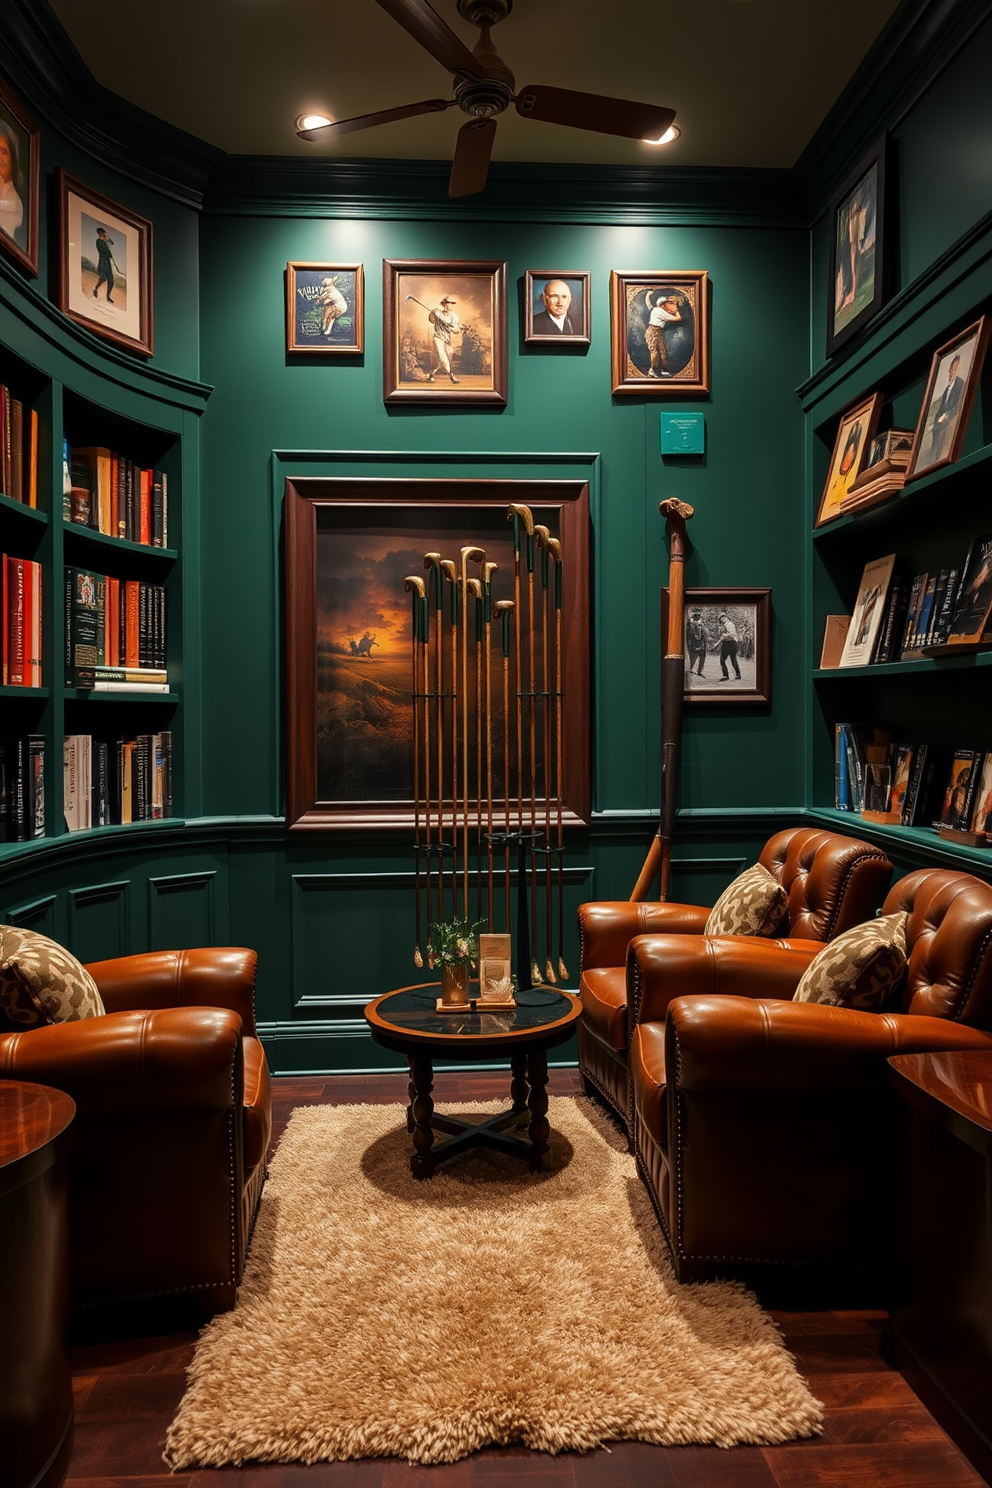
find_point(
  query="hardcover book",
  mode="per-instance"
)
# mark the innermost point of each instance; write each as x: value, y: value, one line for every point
x: 869, y: 610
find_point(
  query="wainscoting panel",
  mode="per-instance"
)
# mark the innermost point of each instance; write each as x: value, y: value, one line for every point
x: 352, y: 938
x: 703, y: 880
x: 98, y: 921
x: 40, y: 915
x: 182, y: 911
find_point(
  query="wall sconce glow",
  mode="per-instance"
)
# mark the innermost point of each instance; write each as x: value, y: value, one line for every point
x: 671, y: 133
x: 313, y: 121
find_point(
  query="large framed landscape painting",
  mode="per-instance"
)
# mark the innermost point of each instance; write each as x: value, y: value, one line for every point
x: 444, y: 331
x: 349, y: 546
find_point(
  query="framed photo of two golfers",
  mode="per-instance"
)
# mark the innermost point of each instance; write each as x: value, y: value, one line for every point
x: 444, y: 331
x: 728, y: 646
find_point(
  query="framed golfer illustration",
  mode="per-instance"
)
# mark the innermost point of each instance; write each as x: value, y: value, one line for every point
x: 728, y: 646
x: 325, y: 308
x: 104, y: 266
x: 659, y: 332
x: 444, y: 331
x: 854, y: 436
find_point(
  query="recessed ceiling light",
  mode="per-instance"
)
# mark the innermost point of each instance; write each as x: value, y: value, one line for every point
x: 671, y: 133
x: 313, y: 121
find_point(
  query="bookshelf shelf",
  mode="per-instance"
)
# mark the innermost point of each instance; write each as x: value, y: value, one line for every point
x: 84, y: 695
x: 25, y: 694
x: 89, y: 539
x: 906, y: 505
x: 922, y: 666
x: 29, y: 514
x: 920, y: 838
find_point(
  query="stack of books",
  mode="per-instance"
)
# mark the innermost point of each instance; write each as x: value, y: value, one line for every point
x: 885, y: 471
x: 114, y: 495
x: 115, y: 782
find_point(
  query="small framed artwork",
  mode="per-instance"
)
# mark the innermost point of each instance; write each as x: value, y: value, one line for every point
x: 728, y: 645
x: 19, y: 183
x: 104, y: 266
x: 869, y: 610
x: 951, y: 388
x: 444, y: 331
x: 659, y: 326
x: 854, y: 435
x: 325, y: 308
x: 857, y: 250
x: 556, y: 307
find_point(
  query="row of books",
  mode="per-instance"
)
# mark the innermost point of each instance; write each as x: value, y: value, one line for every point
x: 114, y: 782
x: 22, y: 787
x: 115, y: 633
x: 912, y: 784
x: 20, y: 621
x: 114, y: 495
x: 18, y: 449
x: 898, y: 618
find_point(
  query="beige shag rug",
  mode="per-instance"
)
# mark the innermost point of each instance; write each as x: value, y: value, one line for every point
x: 380, y: 1316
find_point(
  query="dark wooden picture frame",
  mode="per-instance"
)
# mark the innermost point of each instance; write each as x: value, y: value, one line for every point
x: 325, y: 308
x: 20, y: 182
x: 413, y: 359
x: 539, y: 328
x: 83, y: 216
x: 855, y: 432
x: 661, y: 359
x: 751, y: 615
x: 398, y: 520
x: 858, y: 276
x: 939, y: 434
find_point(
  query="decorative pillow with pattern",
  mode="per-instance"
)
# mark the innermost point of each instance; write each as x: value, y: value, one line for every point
x: 863, y: 968
x: 754, y: 904
x: 40, y: 982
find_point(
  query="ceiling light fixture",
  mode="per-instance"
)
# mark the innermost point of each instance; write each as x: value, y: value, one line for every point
x: 313, y: 121
x: 670, y: 134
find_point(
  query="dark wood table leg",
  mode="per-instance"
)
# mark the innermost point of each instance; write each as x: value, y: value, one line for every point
x: 412, y: 1092
x: 537, y: 1102
x: 518, y: 1085
x: 422, y: 1107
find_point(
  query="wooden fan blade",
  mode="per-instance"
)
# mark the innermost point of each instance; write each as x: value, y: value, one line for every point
x: 436, y: 36
x: 384, y: 116
x: 643, y: 121
x: 473, y: 148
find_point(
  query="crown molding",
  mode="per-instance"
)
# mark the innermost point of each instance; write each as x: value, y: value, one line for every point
x: 417, y: 190
x: 45, y: 70
x: 920, y: 41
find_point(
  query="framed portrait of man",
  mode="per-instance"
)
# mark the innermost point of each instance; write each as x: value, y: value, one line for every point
x: 19, y: 183
x: 857, y: 280
x: 854, y: 436
x: 104, y: 266
x: 556, y: 307
x: 951, y: 387
x: 659, y: 332
x: 444, y: 331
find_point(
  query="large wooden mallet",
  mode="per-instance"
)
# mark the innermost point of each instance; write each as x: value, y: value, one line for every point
x: 659, y: 858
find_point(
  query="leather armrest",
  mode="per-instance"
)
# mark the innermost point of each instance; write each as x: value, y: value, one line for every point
x: 179, y: 1059
x: 215, y: 977
x: 735, y: 1044
x: 607, y: 928
x: 661, y: 968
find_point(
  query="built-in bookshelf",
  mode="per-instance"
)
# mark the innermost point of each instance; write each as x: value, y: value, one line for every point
x: 111, y: 695
x: 912, y: 697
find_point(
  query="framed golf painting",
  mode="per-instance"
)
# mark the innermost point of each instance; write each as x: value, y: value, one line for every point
x: 19, y: 183
x: 659, y: 325
x: 851, y: 444
x: 857, y: 276
x: 728, y: 646
x: 444, y: 331
x: 325, y: 308
x: 104, y: 266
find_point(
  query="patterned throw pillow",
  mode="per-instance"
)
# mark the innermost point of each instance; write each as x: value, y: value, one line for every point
x: 40, y: 982
x: 863, y: 968
x: 754, y: 904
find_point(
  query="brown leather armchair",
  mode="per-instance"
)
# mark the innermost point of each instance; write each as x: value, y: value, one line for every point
x: 172, y: 1127
x: 833, y: 883
x: 764, y: 1127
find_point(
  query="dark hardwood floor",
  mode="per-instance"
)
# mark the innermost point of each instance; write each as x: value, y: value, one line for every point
x: 877, y: 1432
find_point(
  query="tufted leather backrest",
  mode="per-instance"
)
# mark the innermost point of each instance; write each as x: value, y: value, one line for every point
x: 949, y: 932
x: 833, y: 882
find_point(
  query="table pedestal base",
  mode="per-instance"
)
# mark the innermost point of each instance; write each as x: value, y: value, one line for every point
x: 530, y: 1106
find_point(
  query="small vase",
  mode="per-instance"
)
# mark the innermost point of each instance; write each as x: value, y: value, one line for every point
x: 454, y: 984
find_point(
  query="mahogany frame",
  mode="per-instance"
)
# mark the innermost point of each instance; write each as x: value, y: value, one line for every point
x: 394, y: 271
x: 144, y: 342
x: 31, y: 171
x: 374, y: 498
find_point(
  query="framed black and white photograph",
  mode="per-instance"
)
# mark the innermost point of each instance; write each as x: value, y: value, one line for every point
x: 857, y: 250
x: 728, y: 645
x: 557, y: 307
x: 19, y: 183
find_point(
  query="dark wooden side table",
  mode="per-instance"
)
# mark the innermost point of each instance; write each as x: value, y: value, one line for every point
x: 407, y: 1020
x: 943, y: 1334
x: 35, y: 1379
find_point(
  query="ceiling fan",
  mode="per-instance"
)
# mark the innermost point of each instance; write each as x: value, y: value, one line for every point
x: 484, y: 88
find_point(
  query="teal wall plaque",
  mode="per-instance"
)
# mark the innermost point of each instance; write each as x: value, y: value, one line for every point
x: 683, y: 433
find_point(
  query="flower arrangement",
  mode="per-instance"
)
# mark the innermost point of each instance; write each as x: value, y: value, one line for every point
x: 453, y: 943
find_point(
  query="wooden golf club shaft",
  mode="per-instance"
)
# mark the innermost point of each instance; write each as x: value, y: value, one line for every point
x: 531, y: 695
x: 451, y: 574
x: 504, y: 609
x: 474, y: 587
x: 462, y: 716
x: 415, y: 584
x: 488, y: 569
x: 432, y: 561
x: 543, y: 535
x: 554, y: 548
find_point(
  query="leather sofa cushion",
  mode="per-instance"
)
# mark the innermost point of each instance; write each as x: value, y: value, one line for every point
x: 754, y: 904
x: 258, y: 1104
x: 863, y: 968
x: 42, y: 983
x: 647, y: 1068
x: 603, y: 994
